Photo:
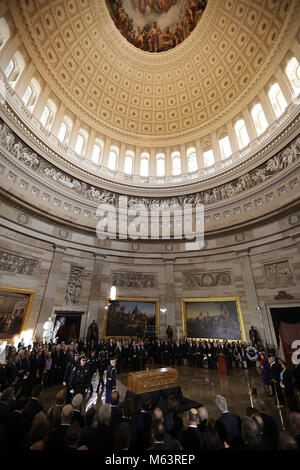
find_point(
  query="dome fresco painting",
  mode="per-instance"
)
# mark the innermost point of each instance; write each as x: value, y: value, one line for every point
x: 156, y: 25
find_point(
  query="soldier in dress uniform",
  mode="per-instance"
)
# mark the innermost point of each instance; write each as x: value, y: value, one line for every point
x: 93, y: 365
x: 80, y: 378
x: 111, y: 380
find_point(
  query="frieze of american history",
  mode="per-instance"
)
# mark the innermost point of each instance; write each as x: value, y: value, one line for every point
x: 274, y: 165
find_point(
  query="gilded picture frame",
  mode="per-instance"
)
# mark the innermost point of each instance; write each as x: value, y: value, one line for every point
x: 21, y: 294
x: 128, y: 302
x: 229, y: 303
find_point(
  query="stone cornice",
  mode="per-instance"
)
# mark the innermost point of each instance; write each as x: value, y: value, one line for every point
x: 273, y: 140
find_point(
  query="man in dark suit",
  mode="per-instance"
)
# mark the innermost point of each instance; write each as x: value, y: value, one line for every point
x: 34, y: 406
x: 275, y: 370
x: 5, y: 409
x: 77, y: 416
x: 231, y: 421
x: 56, y: 439
x: 158, y: 434
x: 192, y: 438
x: 116, y: 412
x: 270, y: 426
x: 144, y: 423
x: 17, y: 427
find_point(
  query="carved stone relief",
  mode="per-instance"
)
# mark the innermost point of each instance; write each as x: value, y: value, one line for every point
x: 134, y: 280
x: 73, y: 290
x: 278, y: 274
x: 196, y: 280
x: 266, y: 170
x: 17, y: 264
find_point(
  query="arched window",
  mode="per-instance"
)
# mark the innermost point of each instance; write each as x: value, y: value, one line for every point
x: 160, y: 165
x: 241, y: 133
x: 144, y: 168
x: 209, y: 158
x: 97, y: 151
x: 225, y: 147
x: 259, y: 118
x: 14, y: 68
x: 65, y: 130
x: 128, y: 162
x: 4, y: 32
x: 176, y: 163
x: 277, y: 99
x: 81, y: 141
x: 31, y: 94
x: 192, y: 159
x: 48, y: 114
x: 292, y: 71
x: 112, y: 158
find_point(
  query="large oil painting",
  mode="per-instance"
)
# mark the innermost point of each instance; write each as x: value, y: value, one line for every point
x: 156, y: 25
x: 15, y: 306
x: 218, y: 318
x: 129, y: 317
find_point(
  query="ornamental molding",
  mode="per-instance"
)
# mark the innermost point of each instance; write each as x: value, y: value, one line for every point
x: 137, y: 280
x: 207, y: 279
x: 18, y: 151
x: 17, y: 264
x: 273, y: 138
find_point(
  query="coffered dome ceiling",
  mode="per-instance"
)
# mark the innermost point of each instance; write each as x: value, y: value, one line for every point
x: 124, y: 91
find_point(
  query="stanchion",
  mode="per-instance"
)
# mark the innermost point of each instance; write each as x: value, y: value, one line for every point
x: 278, y: 406
x: 249, y: 388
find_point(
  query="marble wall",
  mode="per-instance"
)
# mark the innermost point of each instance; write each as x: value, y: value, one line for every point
x: 255, y: 270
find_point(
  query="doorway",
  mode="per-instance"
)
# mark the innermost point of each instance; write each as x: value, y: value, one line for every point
x: 286, y: 322
x: 67, y: 326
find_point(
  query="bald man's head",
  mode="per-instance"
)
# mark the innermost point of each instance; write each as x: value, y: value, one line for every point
x: 66, y: 414
x: 193, y: 416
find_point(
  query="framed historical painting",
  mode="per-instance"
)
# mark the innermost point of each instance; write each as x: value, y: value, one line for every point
x: 15, y: 308
x: 125, y: 317
x: 213, y: 318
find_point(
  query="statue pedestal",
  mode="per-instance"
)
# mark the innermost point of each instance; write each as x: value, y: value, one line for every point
x: 222, y: 364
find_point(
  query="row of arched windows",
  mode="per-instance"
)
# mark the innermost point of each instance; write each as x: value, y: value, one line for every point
x: 14, y: 70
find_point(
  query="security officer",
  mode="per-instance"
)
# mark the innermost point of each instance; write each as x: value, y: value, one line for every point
x: 67, y: 377
x: 93, y: 365
x: 80, y: 378
x: 111, y: 380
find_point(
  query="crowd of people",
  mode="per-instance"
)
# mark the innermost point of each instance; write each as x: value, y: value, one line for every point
x: 79, y: 366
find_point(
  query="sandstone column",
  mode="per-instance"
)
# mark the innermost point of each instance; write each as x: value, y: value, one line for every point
x: 251, y: 298
x: 169, y: 299
x: 49, y: 297
x: 96, y: 302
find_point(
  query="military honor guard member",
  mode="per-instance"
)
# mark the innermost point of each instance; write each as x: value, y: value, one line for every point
x: 80, y: 378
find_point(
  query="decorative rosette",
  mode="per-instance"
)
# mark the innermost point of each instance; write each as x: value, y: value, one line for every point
x: 252, y: 353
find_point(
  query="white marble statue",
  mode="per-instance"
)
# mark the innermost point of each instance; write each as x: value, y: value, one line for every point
x: 48, y: 330
x: 2, y: 351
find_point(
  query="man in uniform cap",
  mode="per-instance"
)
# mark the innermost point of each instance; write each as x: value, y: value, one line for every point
x: 111, y: 374
x: 80, y: 378
x: 68, y: 373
